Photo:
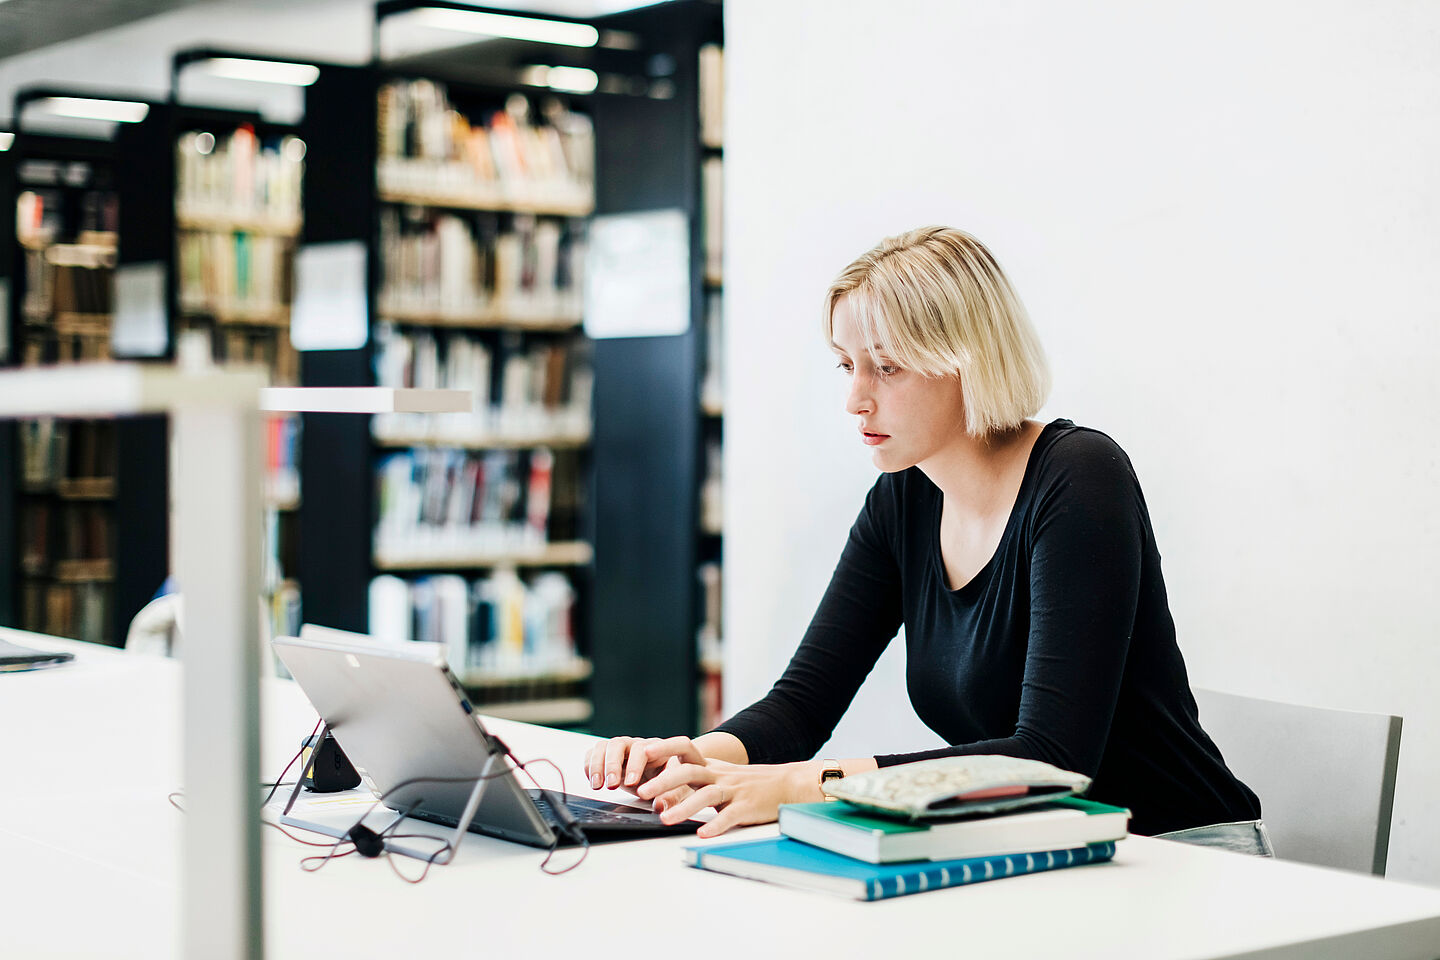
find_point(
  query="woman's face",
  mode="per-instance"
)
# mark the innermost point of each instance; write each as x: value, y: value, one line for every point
x: 904, y: 417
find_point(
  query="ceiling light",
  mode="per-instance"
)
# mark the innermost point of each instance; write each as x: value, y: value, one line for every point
x: 88, y: 108
x: 5, y: 140
x: 261, y: 71
x: 566, y: 79
x: 509, y: 27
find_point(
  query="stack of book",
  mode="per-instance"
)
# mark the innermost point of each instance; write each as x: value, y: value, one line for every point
x: 869, y: 854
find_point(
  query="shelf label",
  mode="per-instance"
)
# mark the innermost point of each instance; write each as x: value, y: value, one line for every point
x: 329, y: 311
x: 139, y: 328
x: 637, y: 275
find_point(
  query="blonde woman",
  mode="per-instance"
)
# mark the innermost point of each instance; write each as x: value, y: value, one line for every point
x: 1019, y: 557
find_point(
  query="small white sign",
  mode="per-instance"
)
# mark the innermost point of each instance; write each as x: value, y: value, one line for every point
x: 139, y: 328
x: 637, y: 275
x: 329, y: 311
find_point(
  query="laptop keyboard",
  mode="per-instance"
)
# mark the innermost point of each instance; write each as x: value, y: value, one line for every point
x: 593, y: 811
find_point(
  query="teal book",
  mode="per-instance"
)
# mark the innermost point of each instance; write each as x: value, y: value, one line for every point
x: 790, y: 863
x: 1057, y: 825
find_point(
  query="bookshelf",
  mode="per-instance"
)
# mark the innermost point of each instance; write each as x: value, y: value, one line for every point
x: 470, y: 203
x: 439, y: 254
x: 238, y: 223
x: 83, y: 501
x: 710, y: 573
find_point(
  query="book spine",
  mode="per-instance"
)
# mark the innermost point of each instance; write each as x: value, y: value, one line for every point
x: 989, y: 868
x: 492, y: 627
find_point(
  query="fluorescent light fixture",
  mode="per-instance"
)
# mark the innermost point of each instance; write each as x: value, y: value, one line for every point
x: 567, y: 79
x: 261, y: 71
x: 88, y: 108
x: 5, y: 140
x: 508, y: 27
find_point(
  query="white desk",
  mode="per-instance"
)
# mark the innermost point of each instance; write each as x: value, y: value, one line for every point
x: 89, y: 855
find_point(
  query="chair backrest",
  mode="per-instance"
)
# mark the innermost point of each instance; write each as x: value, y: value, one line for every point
x: 1325, y: 778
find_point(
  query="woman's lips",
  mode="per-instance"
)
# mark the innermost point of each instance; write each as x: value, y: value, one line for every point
x: 871, y: 439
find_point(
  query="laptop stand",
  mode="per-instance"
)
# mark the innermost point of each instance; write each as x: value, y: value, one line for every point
x: 461, y: 828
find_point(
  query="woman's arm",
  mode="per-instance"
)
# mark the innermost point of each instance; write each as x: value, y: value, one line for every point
x: 856, y: 619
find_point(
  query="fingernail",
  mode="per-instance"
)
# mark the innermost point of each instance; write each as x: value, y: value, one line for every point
x: 611, y: 780
x: 632, y: 778
x: 595, y: 782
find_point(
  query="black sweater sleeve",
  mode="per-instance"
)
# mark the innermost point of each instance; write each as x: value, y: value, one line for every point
x: 1086, y: 539
x: 858, y: 616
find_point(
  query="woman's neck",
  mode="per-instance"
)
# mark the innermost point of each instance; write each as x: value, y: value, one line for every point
x: 978, y: 475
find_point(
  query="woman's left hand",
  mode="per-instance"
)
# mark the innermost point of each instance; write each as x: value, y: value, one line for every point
x: 740, y: 793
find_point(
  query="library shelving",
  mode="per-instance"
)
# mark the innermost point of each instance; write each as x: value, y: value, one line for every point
x: 609, y: 431
x: 83, y: 501
x: 470, y: 201
x: 710, y: 634
x: 238, y: 216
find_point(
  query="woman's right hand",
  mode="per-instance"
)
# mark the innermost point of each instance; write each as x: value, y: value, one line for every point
x: 630, y: 761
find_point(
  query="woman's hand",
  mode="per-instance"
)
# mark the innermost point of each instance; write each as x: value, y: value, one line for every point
x: 631, y: 761
x: 740, y: 793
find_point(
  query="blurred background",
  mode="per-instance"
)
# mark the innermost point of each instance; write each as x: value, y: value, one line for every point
x: 615, y: 224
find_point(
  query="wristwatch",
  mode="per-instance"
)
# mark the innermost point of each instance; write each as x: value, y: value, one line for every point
x: 830, y: 770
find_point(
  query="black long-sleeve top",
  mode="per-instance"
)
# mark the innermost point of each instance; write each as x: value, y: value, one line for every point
x: 1060, y: 649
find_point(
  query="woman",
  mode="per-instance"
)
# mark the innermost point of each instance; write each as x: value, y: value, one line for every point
x: 1018, y: 556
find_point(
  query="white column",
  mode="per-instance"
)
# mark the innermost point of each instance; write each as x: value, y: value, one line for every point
x: 217, y: 506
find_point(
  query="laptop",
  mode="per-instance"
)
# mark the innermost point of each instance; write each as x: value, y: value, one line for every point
x: 400, y: 714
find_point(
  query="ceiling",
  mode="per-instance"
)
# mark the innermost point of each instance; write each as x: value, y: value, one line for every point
x: 29, y: 24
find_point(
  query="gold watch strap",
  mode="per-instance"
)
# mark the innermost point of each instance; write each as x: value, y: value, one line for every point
x: 830, y: 770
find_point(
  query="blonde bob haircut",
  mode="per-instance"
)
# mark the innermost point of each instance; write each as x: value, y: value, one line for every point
x: 935, y: 301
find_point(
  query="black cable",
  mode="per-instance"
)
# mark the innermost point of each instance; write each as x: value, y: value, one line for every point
x: 276, y: 785
x: 310, y: 865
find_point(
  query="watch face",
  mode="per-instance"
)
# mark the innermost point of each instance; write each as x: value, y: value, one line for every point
x: 832, y: 774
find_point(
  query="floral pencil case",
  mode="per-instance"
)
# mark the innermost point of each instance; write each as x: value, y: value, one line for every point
x: 956, y: 786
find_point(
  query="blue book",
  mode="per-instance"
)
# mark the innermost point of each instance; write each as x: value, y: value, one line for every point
x: 791, y: 863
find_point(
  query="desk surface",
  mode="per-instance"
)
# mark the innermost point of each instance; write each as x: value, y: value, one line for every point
x: 89, y: 855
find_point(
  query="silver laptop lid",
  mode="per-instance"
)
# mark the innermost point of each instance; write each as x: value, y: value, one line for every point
x: 399, y: 714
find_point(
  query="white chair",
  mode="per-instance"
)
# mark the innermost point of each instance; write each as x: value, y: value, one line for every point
x: 1325, y: 778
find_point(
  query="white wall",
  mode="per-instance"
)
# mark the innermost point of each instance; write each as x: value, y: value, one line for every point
x: 1225, y: 220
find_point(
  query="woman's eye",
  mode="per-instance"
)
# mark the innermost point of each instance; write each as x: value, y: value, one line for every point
x: 887, y: 370
x: 842, y: 365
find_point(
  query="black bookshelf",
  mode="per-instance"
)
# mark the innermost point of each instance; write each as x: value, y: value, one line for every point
x: 649, y: 433
x: 639, y: 601
x: 130, y: 501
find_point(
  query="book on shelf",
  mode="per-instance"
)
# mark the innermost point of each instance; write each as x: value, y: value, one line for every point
x: 236, y: 277
x: 497, y: 626
x: 709, y: 646
x: 712, y: 95
x: 712, y: 183
x: 429, y: 150
x: 282, y: 453
x: 712, y: 488
x: 712, y: 380
x: 441, y: 502
x: 454, y: 267
x: 845, y: 829
x: 522, y: 388
x: 239, y: 179
x: 80, y: 611
x: 788, y: 862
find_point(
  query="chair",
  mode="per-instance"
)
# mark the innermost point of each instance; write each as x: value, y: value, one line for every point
x: 1325, y: 778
